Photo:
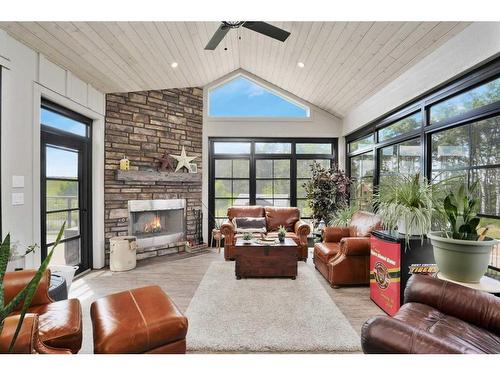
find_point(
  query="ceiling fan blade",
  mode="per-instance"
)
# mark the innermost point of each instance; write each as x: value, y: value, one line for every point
x: 219, y: 34
x: 267, y: 29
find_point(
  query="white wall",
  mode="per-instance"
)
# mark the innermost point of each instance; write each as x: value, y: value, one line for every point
x: 26, y: 78
x: 477, y: 43
x: 321, y: 124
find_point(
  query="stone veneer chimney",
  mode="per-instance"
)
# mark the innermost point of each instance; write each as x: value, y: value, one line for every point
x: 142, y: 126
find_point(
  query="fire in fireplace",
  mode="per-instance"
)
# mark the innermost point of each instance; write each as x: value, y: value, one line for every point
x: 157, y: 223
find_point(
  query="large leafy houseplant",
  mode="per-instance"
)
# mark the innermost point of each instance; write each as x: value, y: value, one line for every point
x: 406, y: 203
x: 326, y: 191
x: 25, y: 296
x: 460, y: 253
x: 342, y: 217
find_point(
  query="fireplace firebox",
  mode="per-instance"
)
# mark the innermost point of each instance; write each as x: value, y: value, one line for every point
x: 157, y: 223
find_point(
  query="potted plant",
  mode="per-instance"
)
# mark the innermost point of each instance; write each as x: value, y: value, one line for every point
x: 326, y: 191
x: 281, y: 233
x: 25, y: 296
x: 342, y: 217
x: 247, y: 237
x: 460, y: 253
x: 406, y: 204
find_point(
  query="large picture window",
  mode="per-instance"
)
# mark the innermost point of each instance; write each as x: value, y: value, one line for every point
x: 264, y: 172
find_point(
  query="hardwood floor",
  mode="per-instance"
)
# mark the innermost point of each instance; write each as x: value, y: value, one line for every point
x: 180, y: 274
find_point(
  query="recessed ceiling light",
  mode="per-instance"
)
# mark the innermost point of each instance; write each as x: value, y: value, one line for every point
x: 174, y: 65
x: 300, y: 64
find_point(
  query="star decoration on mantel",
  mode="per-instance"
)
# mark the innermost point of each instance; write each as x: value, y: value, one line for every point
x: 183, y: 160
x: 165, y: 162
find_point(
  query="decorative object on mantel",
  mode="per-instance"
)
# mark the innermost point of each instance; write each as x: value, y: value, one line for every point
x: 165, y: 162
x: 183, y: 160
x: 124, y: 164
x: 153, y: 176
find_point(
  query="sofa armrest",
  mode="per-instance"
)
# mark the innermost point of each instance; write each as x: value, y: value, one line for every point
x: 15, y: 281
x: 479, y: 308
x: 385, y: 335
x: 228, y: 230
x: 335, y: 234
x: 302, y: 230
x: 355, y: 246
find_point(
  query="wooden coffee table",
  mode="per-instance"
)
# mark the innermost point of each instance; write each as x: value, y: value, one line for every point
x: 266, y: 260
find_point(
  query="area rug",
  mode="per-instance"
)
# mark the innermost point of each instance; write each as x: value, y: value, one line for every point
x: 266, y: 315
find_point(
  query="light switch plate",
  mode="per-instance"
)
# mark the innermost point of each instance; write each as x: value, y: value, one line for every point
x: 17, y: 181
x: 17, y: 199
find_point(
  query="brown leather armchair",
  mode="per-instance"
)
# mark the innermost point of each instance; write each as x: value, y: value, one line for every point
x: 51, y: 327
x: 343, y: 257
x: 289, y: 217
x: 438, y: 317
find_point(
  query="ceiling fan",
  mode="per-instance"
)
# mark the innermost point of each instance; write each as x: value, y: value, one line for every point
x: 257, y: 26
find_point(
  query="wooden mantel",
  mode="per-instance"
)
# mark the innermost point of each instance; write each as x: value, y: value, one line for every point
x: 153, y: 176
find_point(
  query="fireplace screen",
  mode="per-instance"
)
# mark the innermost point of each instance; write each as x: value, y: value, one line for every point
x: 157, y: 223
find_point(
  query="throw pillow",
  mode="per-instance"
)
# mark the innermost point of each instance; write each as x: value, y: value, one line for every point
x: 250, y: 224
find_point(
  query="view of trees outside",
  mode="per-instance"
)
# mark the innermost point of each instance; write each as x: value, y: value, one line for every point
x: 362, y: 169
x: 359, y: 144
x: 472, y: 99
x: 232, y: 184
x: 403, y: 126
x: 272, y: 182
x: 273, y: 148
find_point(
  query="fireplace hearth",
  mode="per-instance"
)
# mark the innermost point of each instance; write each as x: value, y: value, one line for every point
x: 158, y: 223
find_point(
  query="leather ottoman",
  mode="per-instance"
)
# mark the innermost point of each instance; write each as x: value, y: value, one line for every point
x: 143, y: 320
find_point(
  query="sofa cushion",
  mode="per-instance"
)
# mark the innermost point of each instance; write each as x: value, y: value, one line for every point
x: 458, y: 333
x: 362, y: 223
x: 281, y: 216
x: 326, y: 251
x: 249, y: 224
x: 60, y: 324
x: 245, y: 211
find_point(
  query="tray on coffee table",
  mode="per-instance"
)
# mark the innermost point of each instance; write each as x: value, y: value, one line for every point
x: 266, y: 260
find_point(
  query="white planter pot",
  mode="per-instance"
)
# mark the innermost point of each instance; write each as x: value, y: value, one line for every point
x: 413, y: 230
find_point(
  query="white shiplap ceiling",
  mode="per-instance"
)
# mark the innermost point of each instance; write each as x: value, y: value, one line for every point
x: 345, y: 62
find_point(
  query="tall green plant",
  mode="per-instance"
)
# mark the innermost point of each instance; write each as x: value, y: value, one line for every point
x: 25, y: 296
x: 342, y: 217
x: 460, y: 208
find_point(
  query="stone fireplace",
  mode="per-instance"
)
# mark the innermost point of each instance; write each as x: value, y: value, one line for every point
x: 157, y: 223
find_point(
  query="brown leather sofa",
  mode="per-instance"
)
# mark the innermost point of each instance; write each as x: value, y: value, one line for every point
x: 343, y: 257
x: 50, y: 327
x: 289, y: 217
x: 438, y: 317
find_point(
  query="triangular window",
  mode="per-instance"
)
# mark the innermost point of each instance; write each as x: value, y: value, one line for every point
x: 243, y: 97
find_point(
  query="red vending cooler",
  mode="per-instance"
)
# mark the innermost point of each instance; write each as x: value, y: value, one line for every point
x: 392, y: 262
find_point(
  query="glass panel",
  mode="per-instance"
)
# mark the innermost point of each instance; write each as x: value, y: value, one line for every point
x: 242, y: 97
x: 301, y: 191
x: 281, y: 203
x: 58, y: 121
x: 264, y: 202
x: 450, y: 148
x: 403, y: 126
x: 486, y: 142
x: 61, y: 195
x: 314, y: 148
x: 223, y: 188
x: 61, y: 163
x: 55, y: 221
x: 241, y: 202
x: 282, y: 168
x: 493, y: 232
x: 273, y: 148
x: 222, y: 168
x: 264, y: 168
x: 232, y: 147
x: 264, y: 188
x: 361, y: 143
x: 67, y: 253
x: 221, y: 206
x: 462, y: 103
x: 281, y: 188
x: 305, y: 210
x: 488, y: 189
x: 402, y: 158
x: 304, y: 166
x: 241, y: 168
x: 241, y: 189
x: 367, y: 165
x: 452, y: 178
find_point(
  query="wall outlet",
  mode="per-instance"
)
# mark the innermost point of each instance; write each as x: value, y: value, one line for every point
x: 17, y: 199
